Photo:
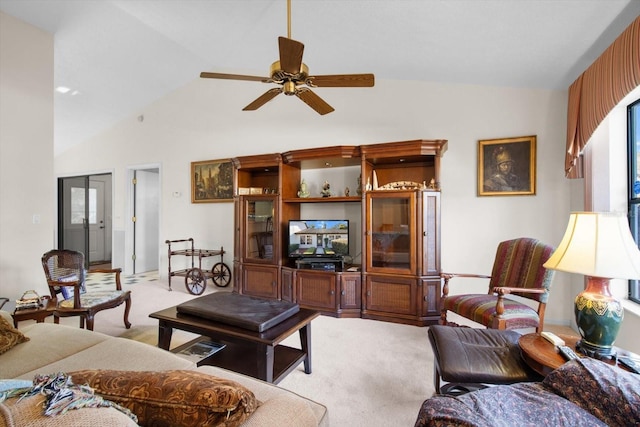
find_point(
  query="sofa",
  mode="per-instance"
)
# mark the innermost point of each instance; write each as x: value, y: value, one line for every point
x: 582, y: 392
x: 49, y: 348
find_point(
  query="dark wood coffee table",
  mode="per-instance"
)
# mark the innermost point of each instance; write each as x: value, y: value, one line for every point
x: 257, y: 354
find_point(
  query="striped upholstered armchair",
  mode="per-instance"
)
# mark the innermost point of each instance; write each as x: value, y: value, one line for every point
x: 517, y: 270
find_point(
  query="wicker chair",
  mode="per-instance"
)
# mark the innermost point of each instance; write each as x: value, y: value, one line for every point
x: 65, y: 274
x: 517, y: 270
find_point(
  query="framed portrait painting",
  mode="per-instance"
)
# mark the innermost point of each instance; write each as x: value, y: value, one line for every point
x: 507, y: 166
x: 212, y: 181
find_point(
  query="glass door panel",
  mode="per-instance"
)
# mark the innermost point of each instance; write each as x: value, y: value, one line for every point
x: 391, y: 229
x: 258, y: 219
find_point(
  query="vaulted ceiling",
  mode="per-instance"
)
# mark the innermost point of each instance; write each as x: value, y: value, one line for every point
x: 116, y: 56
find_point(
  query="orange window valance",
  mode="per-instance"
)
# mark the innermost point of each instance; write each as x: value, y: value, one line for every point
x: 598, y: 90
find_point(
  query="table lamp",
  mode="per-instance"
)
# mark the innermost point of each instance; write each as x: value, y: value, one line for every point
x: 598, y: 245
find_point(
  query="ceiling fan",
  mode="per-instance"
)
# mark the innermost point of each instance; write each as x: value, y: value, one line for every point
x: 293, y: 76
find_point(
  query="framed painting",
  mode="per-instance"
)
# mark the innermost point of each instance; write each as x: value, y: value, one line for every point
x: 212, y: 181
x: 507, y: 166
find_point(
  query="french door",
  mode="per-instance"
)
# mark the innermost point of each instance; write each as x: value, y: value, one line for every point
x: 83, y: 224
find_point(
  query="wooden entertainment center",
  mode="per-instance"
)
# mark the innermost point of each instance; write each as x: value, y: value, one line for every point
x: 389, y: 192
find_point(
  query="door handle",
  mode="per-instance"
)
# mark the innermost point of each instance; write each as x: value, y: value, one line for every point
x: 102, y: 226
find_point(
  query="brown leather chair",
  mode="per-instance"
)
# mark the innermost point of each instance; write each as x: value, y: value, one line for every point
x: 517, y: 270
x: 65, y: 274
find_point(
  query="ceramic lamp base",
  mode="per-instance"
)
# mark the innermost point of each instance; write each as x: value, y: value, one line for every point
x: 597, y: 352
x: 598, y: 316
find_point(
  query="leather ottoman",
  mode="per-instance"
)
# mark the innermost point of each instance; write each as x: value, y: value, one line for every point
x: 254, y: 314
x: 469, y: 359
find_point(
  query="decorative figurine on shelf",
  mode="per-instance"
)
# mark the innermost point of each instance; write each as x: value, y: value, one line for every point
x: 432, y: 184
x: 368, y: 186
x: 359, y: 186
x: 303, y: 192
x: 326, y: 189
x: 346, y: 191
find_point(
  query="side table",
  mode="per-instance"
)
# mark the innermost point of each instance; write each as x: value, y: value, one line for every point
x: 543, y: 357
x: 37, y: 314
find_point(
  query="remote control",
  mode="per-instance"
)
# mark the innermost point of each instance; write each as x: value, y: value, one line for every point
x: 552, y: 338
x: 567, y: 352
x: 630, y: 364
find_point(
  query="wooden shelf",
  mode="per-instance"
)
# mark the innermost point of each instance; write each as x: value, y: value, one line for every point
x: 242, y: 358
x: 336, y: 199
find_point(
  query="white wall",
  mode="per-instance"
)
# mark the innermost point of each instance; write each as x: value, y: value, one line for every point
x: 203, y: 120
x: 26, y: 155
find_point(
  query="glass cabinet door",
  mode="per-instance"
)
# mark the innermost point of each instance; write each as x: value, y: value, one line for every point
x: 260, y: 239
x: 391, y: 232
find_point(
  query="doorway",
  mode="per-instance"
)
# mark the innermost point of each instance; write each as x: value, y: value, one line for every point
x: 84, y: 217
x: 144, y: 228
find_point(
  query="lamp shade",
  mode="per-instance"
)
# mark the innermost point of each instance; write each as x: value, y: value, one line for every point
x: 597, y: 244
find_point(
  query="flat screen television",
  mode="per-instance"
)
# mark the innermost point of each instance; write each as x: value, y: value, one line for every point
x: 319, y: 238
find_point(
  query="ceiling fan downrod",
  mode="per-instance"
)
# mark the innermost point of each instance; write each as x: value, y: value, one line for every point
x: 288, y: 19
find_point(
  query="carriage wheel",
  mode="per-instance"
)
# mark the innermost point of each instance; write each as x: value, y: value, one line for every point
x: 221, y: 274
x: 195, y: 281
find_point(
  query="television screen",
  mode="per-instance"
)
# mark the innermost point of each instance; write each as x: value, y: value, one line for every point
x: 318, y: 238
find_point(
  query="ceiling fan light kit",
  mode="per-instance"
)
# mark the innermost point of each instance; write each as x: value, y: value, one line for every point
x: 293, y: 76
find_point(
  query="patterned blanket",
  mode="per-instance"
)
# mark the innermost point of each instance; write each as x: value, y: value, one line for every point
x: 583, y: 392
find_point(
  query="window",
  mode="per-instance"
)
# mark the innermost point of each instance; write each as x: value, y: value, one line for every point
x: 633, y: 143
x: 78, y: 205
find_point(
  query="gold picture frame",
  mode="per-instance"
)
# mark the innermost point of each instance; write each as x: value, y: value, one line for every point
x: 212, y: 181
x: 507, y: 166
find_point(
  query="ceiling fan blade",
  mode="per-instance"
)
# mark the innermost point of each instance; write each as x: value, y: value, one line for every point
x: 206, y: 75
x: 290, y: 55
x: 263, y: 99
x: 342, y: 80
x: 314, y: 101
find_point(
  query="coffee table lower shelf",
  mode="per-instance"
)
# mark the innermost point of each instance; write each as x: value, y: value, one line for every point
x: 242, y: 358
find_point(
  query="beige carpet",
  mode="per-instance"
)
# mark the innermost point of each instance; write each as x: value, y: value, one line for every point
x: 368, y: 373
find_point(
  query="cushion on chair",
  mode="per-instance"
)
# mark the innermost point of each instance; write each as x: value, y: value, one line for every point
x: 69, y: 275
x: 91, y: 299
x: 486, y: 356
x: 481, y: 308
